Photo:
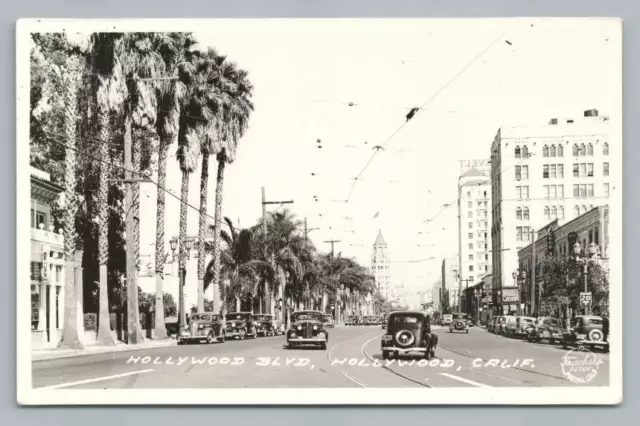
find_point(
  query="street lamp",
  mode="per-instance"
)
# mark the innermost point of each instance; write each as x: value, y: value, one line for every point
x: 592, y: 253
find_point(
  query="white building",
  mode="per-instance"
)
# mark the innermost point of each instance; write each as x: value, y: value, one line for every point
x: 538, y: 174
x: 380, y: 267
x: 474, y: 219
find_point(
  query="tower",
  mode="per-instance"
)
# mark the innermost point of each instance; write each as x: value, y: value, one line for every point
x: 380, y: 266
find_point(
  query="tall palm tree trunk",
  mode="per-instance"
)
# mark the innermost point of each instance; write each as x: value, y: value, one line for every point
x: 182, y: 253
x: 104, y: 324
x: 202, y: 225
x: 137, y: 167
x: 160, y: 328
x: 218, y: 218
x: 70, y: 337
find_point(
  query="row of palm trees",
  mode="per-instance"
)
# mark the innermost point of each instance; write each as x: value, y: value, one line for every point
x: 156, y: 92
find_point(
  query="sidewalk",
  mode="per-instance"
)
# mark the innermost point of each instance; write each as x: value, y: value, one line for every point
x: 49, y: 354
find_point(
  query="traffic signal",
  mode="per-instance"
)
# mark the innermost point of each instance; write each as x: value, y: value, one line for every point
x: 551, y: 241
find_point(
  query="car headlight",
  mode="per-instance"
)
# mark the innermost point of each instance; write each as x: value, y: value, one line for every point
x: 315, y: 327
x: 292, y: 334
x: 201, y: 326
x: 299, y: 328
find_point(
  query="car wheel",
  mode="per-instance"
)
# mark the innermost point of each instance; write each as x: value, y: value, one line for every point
x: 210, y: 338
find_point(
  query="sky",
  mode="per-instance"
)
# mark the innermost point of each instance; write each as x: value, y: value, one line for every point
x: 305, y: 74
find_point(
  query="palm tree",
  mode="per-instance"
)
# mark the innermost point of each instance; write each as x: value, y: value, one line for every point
x: 67, y: 80
x: 170, y: 95
x: 236, y: 112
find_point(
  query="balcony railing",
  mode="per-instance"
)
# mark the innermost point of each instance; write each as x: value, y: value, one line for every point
x: 49, y: 236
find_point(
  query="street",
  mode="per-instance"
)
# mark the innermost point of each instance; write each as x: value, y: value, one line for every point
x: 352, y: 359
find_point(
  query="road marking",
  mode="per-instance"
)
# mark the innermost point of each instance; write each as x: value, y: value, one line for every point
x: 97, y: 379
x: 467, y: 381
x: 362, y: 385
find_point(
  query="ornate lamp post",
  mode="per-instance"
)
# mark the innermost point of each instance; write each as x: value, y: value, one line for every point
x: 580, y: 259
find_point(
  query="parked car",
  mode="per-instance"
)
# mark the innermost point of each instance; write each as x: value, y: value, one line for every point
x: 307, y: 328
x: 327, y: 320
x: 499, y: 326
x: 240, y: 325
x: 447, y: 319
x: 586, y: 332
x: 460, y: 323
x: 546, y: 328
x: 352, y: 320
x: 523, y: 324
x: 509, y: 326
x: 266, y: 325
x: 203, y: 327
x: 408, y: 332
x: 493, y: 324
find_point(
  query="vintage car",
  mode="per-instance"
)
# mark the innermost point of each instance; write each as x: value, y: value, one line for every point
x: 545, y: 328
x: 266, y: 325
x: 327, y: 320
x: 307, y: 328
x: 408, y: 333
x: 586, y: 332
x: 240, y: 325
x: 446, y: 320
x: 352, y: 320
x: 459, y: 322
x: 518, y: 326
x: 500, y: 324
x: 203, y: 327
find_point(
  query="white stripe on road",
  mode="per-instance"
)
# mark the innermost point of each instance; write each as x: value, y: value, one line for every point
x: 362, y: 385
x: 467, y: 381
x: 97, y: 379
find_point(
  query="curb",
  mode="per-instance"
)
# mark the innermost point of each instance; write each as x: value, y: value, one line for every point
x: 47, y: 356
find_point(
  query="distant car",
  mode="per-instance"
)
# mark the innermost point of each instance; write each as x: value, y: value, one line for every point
x: 307, y: 328
x: 408, y: 333
x: 446, y: 320
x: 327, y: 320
x: 266, y: 325
x: 203, y: 327
x: 586, y: 332
x: 353, y: 320
x: 460, y: 322
x: 240, y: 325
x: 546, y: 328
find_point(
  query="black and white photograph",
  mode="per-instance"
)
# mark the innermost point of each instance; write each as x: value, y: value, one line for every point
x: 319, y: 211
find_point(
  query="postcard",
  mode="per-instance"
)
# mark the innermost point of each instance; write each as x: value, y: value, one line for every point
x: 320, y: 211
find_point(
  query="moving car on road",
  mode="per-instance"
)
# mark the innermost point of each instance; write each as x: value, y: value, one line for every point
x: 203, y: 327
x: 240, y: 325
x: 408, y: 332
x: 460, y: 322
x: 307, y: 328
x: 545, y: 328
x: 327, y: 320
x: 586, y: 332
x: 266, y: 325
x: 446, y: 320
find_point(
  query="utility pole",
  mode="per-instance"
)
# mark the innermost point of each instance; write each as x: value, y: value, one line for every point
x: 533, y: 272
x: 332, y: 242
x: 307, y: 230
x: 264, y: 230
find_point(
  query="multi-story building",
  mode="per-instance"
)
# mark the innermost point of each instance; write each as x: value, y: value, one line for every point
x: 450, y: 283
x: 47, y: 265
x: 380, y: 267
x: 591, y: 227
x: 474, y: 219
x: 538, y: 174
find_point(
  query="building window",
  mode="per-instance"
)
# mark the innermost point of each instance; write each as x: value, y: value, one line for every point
x: 560, y: 212
x: 470, y: 225
x: 518, y: 172
x: 596, y: 236
x: 606, y: 189
x: 41, y: 218
x: 605, y: 149
x: 554, y: 212
x: 518, y: 152
x: 583, y: 169
x: 546, y: 213
x: 576, y: 211
x: 36, y: 268
x: 470, y: 204
x: 583, y: 150
x: 525, y: 213
x: 545, y: 171
x: 590, y: 149
x: 470, y: 246
x: 560, y: 150
x: 546, y: 191
x: 575, y: 150
x: 518, y: 213
x: 583, y: 190
x: 576, y: 191
x: 576, y: 172
x: 470, y: 257
x: 552, y: 151
x: 590, y: 169
x: 35, y: 309
x: 525, y: 152
x: 561, y: 171
x: 552, y: 171
x: 605, y: 169
x: 590, y: 190
x: 584, y: 210
x: 470, y: 214
x: 525, y: 172
x: 470, y: 235
x: 519, y: 233
x: 470, y: 268
x: 545, y: 151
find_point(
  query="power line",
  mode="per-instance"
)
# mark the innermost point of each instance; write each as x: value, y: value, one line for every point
x: 467, y: 66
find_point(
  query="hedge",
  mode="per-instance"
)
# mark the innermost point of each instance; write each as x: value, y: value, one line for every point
x: 147, y: 321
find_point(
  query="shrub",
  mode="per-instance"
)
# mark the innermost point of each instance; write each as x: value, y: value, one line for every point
x: 90, y: 322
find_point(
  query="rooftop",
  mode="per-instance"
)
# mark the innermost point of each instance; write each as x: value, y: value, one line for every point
x: 380, y: 239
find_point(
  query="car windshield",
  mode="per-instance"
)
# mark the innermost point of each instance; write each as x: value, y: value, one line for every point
x: 326, y: 317
x: 236, y: 316
x: 262, y: 317
x: 596, y: 321
x: 204, y: 317
x: 406, y: 319
x: 306, y: 316
x: 459, y: 316
x: 526, y: 319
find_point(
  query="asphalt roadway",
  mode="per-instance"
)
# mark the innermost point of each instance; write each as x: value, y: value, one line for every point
x: 351, y: 360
